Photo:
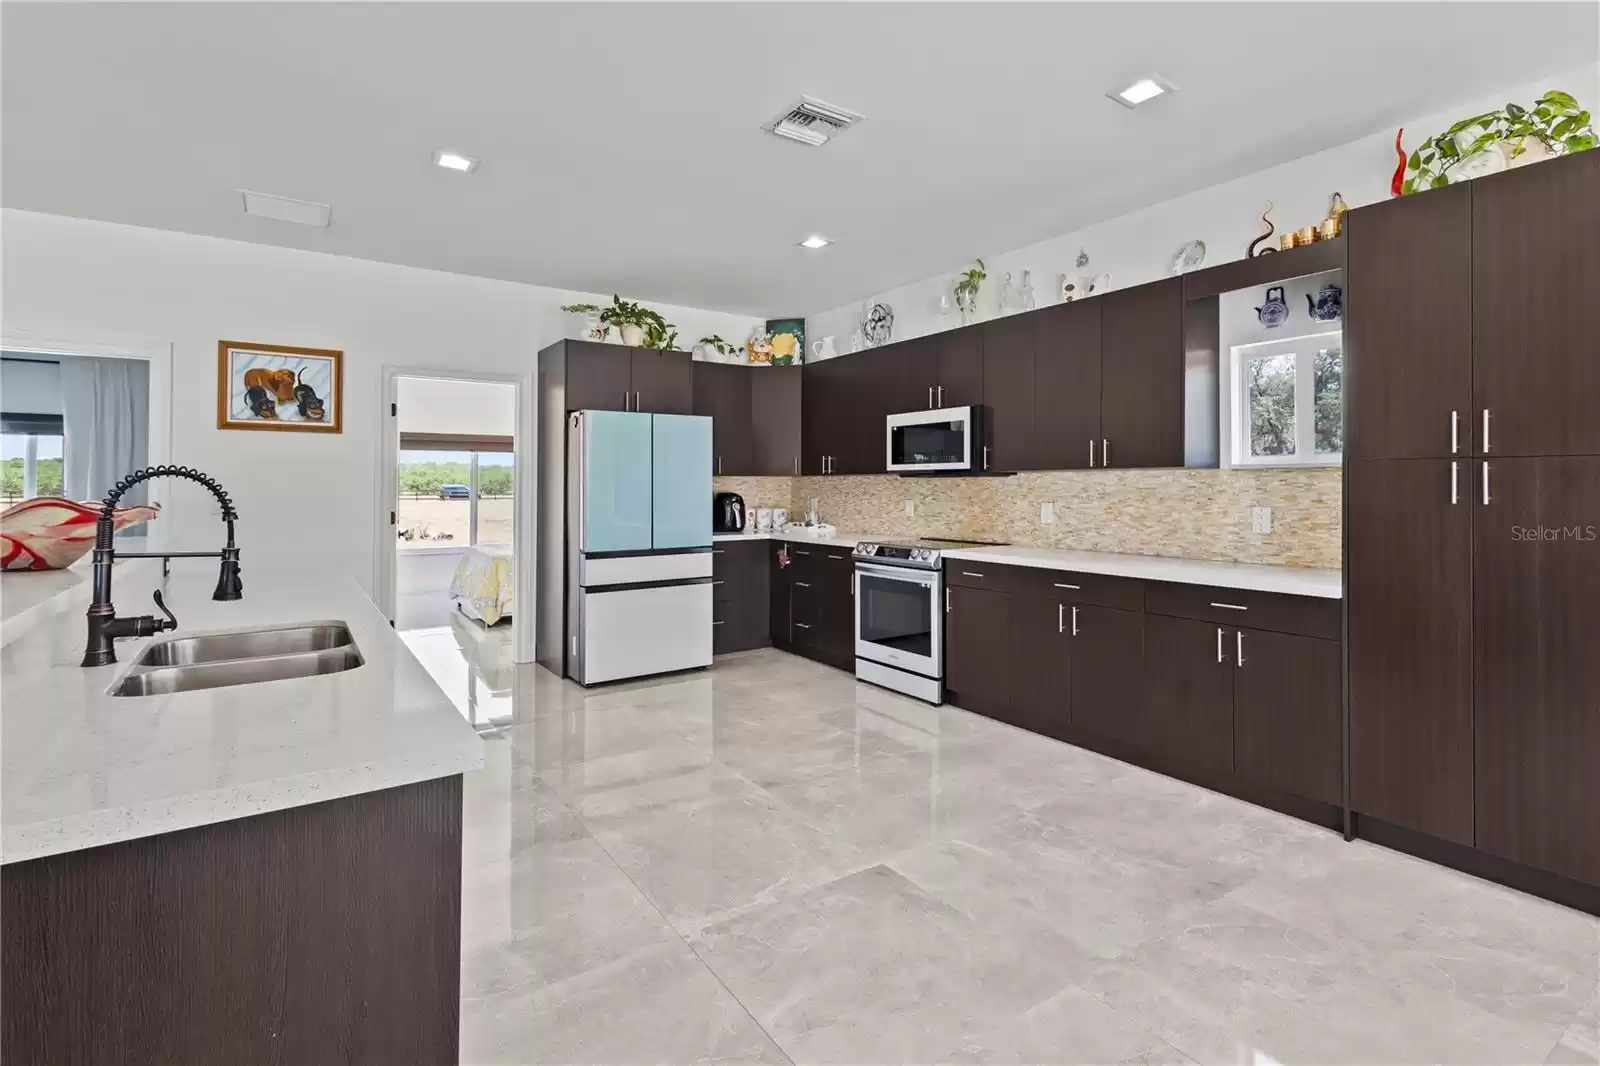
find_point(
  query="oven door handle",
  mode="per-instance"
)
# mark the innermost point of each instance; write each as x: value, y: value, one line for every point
x: 899, y: 573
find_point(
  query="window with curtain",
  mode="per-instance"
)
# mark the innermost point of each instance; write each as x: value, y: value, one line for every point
x: 454, y: 491
x: 71, y: 425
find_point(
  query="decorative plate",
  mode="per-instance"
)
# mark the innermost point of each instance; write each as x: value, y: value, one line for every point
x: 1188, y: 257
x: 879, y: 324
x: 52, y: 533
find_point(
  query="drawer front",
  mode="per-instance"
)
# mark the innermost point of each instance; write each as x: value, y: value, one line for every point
x: 1123, y: 593
x: 978, y: 575
x: 1307, y: 616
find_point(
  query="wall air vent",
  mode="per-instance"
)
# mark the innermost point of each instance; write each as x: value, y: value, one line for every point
x: 812, y: 122
x: 286, y: 209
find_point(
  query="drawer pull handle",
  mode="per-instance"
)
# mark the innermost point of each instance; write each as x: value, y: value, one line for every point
x: 718, y: 582
x: 832, y: 556
x: 802, y: 625
x: 802, y: 584
x: 718, y: 551
x: 1059, y: 585
x: 716, y: 623
x: 1231, y: 606
x: 969, y: 573
x: 797, y: 551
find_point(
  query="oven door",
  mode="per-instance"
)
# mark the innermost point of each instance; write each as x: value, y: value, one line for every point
x: 898, y: 621
x: 931, y: 440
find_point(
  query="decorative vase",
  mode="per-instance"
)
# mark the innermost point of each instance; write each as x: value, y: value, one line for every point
x: 592, y: 329
x: 632, y: 335
x: 1026, y: 297
x: 52, y: 532
x: 1533, y: 151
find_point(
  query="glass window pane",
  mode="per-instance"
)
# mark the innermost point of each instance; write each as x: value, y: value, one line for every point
x: 496, y: 497
x: 1328, y: 386
x: 1269, y: 397
x: 434, y: 508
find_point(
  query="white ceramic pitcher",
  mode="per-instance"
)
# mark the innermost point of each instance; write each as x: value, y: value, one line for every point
x: 823, y: 349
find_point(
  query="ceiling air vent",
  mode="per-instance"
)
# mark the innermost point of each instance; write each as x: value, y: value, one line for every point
x: 812, y: 122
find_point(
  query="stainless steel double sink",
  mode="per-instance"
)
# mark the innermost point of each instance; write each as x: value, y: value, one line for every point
x: 219, y: 660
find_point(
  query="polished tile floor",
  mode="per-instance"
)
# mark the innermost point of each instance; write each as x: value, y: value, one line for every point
x: 768, y: 862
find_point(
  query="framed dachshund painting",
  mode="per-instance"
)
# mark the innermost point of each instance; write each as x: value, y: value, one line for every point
x: 273, y: 386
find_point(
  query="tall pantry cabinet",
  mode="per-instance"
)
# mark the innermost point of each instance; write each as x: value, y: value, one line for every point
x: 1473, y: 514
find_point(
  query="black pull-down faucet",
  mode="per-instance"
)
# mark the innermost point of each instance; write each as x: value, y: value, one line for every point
x: 104, y: 625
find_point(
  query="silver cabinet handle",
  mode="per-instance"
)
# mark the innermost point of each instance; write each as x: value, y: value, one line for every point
x: 969, y: 573
x: 1485, y: 484
x: 833, y: 556
x: 930, y: 397
x: 1455, y: 488
x: 1105, y: 451
x: 797, y: 466
x: 853, y: 577
x: 802, y: 584
x: 1239, y: 637
x: 718, y: 551
x: 637, y: 405
x: 1091, y: 454
x: 1231, y: 606
x: 1485, y: 431
x: 1455, y: 432
x: 1061, y: 618
x: 986, y: 457
x: 719, y: 464
x: 716, y: 623
x: 802, y: 625
x: 1219, y: 644
x: 719, y: 582
x: 797, y: 551
x: 946, y: 601
x: 1059, y: 585
x: 1074, y: 620
x: 941, y: 395
x: 626, y: 401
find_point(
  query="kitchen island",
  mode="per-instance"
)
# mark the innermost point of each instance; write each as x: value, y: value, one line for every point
x: 266, y: 872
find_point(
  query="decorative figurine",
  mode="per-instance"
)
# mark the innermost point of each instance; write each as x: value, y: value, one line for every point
x: 1026, y: 297
x: 1398, y: 182
x: 1266, y: 218
x: 1274, y: 310
x: 1328, y: 304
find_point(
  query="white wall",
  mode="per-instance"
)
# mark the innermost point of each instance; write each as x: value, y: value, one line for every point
x: 301, y: 497
x: 445, y: 405
x: 1138, y: 247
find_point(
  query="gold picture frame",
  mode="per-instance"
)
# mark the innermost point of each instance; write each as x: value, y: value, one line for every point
x: 278, y: 386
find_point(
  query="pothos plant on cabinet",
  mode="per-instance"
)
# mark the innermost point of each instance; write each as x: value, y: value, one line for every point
x: 1497, y: 140
x: 636, y: 324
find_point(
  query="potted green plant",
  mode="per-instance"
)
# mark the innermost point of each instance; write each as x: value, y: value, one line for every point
x: 592, y: 329
x: 635, y: 325
x: 1495, y: 140
x: 724, y: 349
x: 967, y: 286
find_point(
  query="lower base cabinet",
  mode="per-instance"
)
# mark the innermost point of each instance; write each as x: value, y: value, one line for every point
x: 1189, y: 689
x: 740, y: 603
x: 1041, y: 665
x: 822, y: 604
x: 1107, y: 672
x: 977, y: 661
x: 1288, y: 713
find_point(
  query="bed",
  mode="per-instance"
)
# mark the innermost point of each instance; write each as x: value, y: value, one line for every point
x: 482, y: 585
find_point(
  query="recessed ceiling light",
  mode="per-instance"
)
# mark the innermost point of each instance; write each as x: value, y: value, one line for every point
x: 455, y: 161
x: 815, y: 241
x: 286, y: 209
x: 1140, y: 91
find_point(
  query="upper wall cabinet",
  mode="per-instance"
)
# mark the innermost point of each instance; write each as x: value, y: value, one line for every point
x: 1008, y: 387
x: 612, y: 377
x: 722, y: 391
x: 1535, y: 276
x: 1141, y: 376
x: 1066, y: 386
x: 960, y: 382
x: 775, y: 419
x: 1408, y: 326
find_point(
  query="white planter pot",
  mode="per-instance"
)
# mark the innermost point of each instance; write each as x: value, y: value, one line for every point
x: 633, y: 336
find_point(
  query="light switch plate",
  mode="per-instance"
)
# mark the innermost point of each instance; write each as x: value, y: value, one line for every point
x: 911, y: 508
x: 1261, y: 519
x: 1047, y: 512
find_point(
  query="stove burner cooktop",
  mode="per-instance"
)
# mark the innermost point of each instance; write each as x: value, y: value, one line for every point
x: 925, y: 553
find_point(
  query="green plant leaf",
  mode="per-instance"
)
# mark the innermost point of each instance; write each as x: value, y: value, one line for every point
x: 1440, y: 181
x: 1514, y: 111
x: 1564, y: 127
x: 1559, y: 98
x: 1415, y: 162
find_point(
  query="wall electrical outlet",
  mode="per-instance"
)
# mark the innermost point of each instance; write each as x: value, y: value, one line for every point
x: 1047, y: 512
x: 911, y: 508
x: 1261, y: 520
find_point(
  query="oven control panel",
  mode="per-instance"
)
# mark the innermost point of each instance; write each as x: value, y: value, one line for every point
x: 897, y: 553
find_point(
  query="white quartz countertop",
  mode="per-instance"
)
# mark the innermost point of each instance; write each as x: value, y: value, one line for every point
x: 82, y: 768
x: 1289, y: 580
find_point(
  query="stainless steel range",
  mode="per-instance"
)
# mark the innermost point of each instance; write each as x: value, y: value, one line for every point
x: 900, y: 614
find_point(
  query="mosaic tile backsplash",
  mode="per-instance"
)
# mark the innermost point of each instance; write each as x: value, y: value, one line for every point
x: 1192, y: 514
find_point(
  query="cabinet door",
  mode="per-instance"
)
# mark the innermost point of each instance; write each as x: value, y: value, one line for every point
x: 1008, y: 393
x: 917, y: 378
x: 598, y: 377
x: 805, y: 606
x: 1189, y: 667
x: 1408, y: 326
x: 1408, y: 574
x: 1066, y: 385
x: 1536, y: 638
x: 663, y: 382
x: 1040, y: 664
x: 1141, y: 376
x: 775, y: 396
x: 878, y: 389
x: 1287, y: 713
x: 1535, y: 274
x: 838, y: 606
x: 960, y: 381
x: 827, y: 408
x: 778, y: 580
x: 1108, y: 673
x: 722, y: 392
x: 977, y: 627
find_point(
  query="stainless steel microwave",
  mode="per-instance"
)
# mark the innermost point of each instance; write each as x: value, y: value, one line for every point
x: 942, y: 440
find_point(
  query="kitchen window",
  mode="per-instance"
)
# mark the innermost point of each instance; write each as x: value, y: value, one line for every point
x: 454, y: 497
x: 1288, y: 402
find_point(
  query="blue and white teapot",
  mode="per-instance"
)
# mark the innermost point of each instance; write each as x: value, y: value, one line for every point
x: 1274, y: 310
x: 1328, y: 304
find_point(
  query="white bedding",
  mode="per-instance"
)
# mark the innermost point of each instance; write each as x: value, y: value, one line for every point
x: 483, y: 582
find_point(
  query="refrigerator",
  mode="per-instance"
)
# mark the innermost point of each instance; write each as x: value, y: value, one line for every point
x: 638, y: 544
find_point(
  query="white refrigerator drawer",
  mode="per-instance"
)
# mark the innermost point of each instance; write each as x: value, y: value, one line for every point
x: 638, y: 632
x: 625, y: 569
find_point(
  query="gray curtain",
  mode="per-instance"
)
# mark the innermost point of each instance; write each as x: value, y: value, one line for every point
x: 105, y: 410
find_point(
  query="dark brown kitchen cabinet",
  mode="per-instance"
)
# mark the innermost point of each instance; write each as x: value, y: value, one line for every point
x: 1535, y: 271
x: 780, y: 576
x: 1536, y: 655
x: 599, y: 377
x: 775, y: 420
x: 1288, y: 712
x: 1008, y: 387
x: 740, y: 596
x: 1141, y: 376
x: 1187, y: 713
x: 1108, y: 681
x: 1040, y: 664
x: 663, y: 382
x: 822, y: 614
x: 1408, y: 329
x: 830, y: 422
x: 960, y: 380
x: 1408, y: 588
x: 977, y: 626
x: 1066, y: 386
x: 722, y: 391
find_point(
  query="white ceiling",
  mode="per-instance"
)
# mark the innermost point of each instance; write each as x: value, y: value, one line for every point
x: 621, y: 144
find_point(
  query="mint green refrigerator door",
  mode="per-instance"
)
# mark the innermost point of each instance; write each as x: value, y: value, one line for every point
x: 616, y: 481
x: 682, y: 481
